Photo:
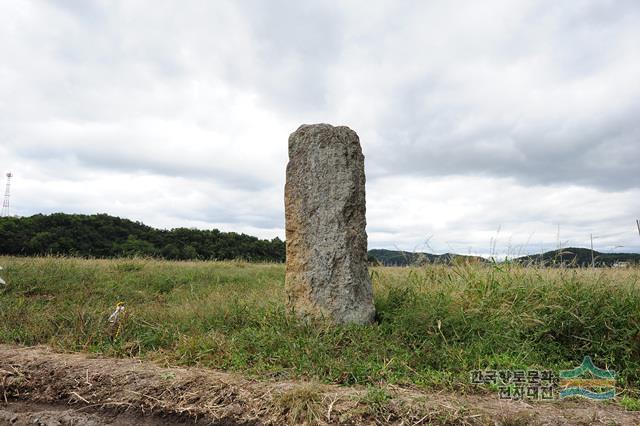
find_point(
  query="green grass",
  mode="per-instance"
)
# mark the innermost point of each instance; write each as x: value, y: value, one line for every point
x: 630, y: 404
x: 376, y: 399
x: 435, y: 323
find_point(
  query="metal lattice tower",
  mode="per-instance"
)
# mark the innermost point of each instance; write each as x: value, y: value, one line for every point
x: 6, y: 212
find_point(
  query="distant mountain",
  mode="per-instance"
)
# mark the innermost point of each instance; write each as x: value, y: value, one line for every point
x: 405, y: 258
x: 577, y: 256
x: 572, y: 257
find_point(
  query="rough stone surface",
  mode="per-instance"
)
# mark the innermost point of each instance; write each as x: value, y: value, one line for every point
x: 327, y: 275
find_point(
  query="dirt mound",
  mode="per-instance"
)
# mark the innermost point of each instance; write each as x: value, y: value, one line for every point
x: 39, y: 386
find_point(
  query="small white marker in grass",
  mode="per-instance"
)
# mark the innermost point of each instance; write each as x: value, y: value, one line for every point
x: 113, y: 318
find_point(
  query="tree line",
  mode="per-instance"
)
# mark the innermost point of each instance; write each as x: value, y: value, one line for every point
x: 104, y: 236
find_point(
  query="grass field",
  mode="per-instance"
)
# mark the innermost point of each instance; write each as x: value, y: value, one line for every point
x: 435, y: 323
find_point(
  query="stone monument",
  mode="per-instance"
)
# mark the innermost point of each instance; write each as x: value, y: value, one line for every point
x: 326, y: 272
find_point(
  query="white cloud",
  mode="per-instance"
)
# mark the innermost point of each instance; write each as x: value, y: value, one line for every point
x: 473, y: 116
x: 496, y: 215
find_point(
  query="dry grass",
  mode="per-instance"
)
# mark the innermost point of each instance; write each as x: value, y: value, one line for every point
x: 130, y: 391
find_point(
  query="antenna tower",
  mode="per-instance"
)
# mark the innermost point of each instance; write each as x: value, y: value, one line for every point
x: 7, y: 193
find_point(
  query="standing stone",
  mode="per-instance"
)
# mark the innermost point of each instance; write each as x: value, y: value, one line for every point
x: 327, y: 273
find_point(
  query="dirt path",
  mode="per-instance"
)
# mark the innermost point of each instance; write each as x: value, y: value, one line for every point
x: 28, y: 413
x: 38, y: 386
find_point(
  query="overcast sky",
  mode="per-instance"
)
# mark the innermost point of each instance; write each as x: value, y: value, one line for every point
x: 487, y: 126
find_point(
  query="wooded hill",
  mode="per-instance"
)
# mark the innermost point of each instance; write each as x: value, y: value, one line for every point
x: 104, y: 236
x: 578, y: 257
x: 406, y: 258
x: 567, y: 257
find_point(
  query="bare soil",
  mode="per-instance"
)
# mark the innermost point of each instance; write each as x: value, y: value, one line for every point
x: 39, y: 386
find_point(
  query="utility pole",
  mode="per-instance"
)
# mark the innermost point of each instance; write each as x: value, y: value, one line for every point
x: 593, y: 263
x: 638, y: 223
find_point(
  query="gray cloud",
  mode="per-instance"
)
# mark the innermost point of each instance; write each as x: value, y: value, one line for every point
x: 151, y: 104
x: 602, y: 153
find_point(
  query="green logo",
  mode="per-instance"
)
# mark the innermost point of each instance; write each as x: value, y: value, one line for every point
x: 598, y: 384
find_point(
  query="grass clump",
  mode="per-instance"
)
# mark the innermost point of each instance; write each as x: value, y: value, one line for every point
x: 301, y: 405
x: 630, y: 404
x: 376, y: 399
x: 435, y: 323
